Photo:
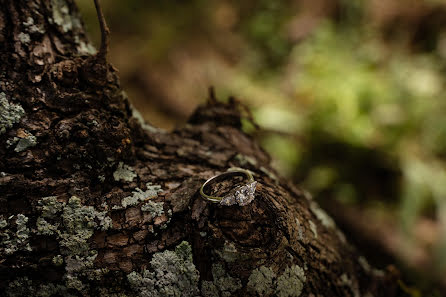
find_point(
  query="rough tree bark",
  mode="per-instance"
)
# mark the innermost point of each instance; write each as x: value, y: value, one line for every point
x: 94, y: 202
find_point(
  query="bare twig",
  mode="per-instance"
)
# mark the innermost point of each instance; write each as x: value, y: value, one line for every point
x: 249, y: 116
x: 105, y: 32
x: 212, y: 98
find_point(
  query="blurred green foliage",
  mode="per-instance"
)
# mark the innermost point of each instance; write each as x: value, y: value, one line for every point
x: 263, y: 29
x: 393, y: 103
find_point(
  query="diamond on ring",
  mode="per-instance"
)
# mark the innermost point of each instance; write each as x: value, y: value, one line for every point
x: 241, y: 195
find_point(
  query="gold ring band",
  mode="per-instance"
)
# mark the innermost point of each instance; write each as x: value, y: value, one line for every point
x: 242, y: 195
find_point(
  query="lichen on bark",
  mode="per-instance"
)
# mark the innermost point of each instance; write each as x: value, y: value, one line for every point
x: 10, y: 113
x: 172, y: 273
x: 73, y: 224
x: 15, y: 238
x: 124, y: 172
x: 222, y: 285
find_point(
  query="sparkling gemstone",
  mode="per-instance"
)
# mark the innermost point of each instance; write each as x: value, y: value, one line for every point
x: 243, y: 195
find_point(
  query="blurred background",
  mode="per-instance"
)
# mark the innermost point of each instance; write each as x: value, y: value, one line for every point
x: 350, y: 96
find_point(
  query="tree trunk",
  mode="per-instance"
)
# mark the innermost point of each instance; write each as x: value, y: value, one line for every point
x: 95, y: 202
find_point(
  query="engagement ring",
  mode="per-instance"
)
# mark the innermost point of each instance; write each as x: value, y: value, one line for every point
x: 241, y: 195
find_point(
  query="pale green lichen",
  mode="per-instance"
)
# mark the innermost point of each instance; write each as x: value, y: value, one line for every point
x: 264, y: 282
x: 49, y: 290
x: 23, y: 143
x: 23, y: 286
x: 10, y: 142
x: 154, y: 208
x: 169, y: 218
x: 57, y: 260
x: 261, y: 281
x: 29, y: 22
x: 172, y: 273
x: 62, y: 16
x: 291, y: 282
x: 364, y: 264
x: 73, y: 224
x: 73, y: 282
x: 225, y: 284
x: 139, y: 195
x: 22, y: 232
x: 152, y: 190
x: 50, y: 206
x: 11, y: 240
x: 208, y: 289
x: 24, y: 37
x: 344, y: 280
x: 322, y: 216
x: 45, y: 228
x: 103, y: 221
x: 79, y: 223
x: 313, y: 228
x: 10, y: 113
x: 19, y: 287
x: 31, y: 27
x: 3, y: 223
x: 124, y: 173
x: 84, y: 48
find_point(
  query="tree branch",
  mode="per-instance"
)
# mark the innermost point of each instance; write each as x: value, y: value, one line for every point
x: 105, y: 32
